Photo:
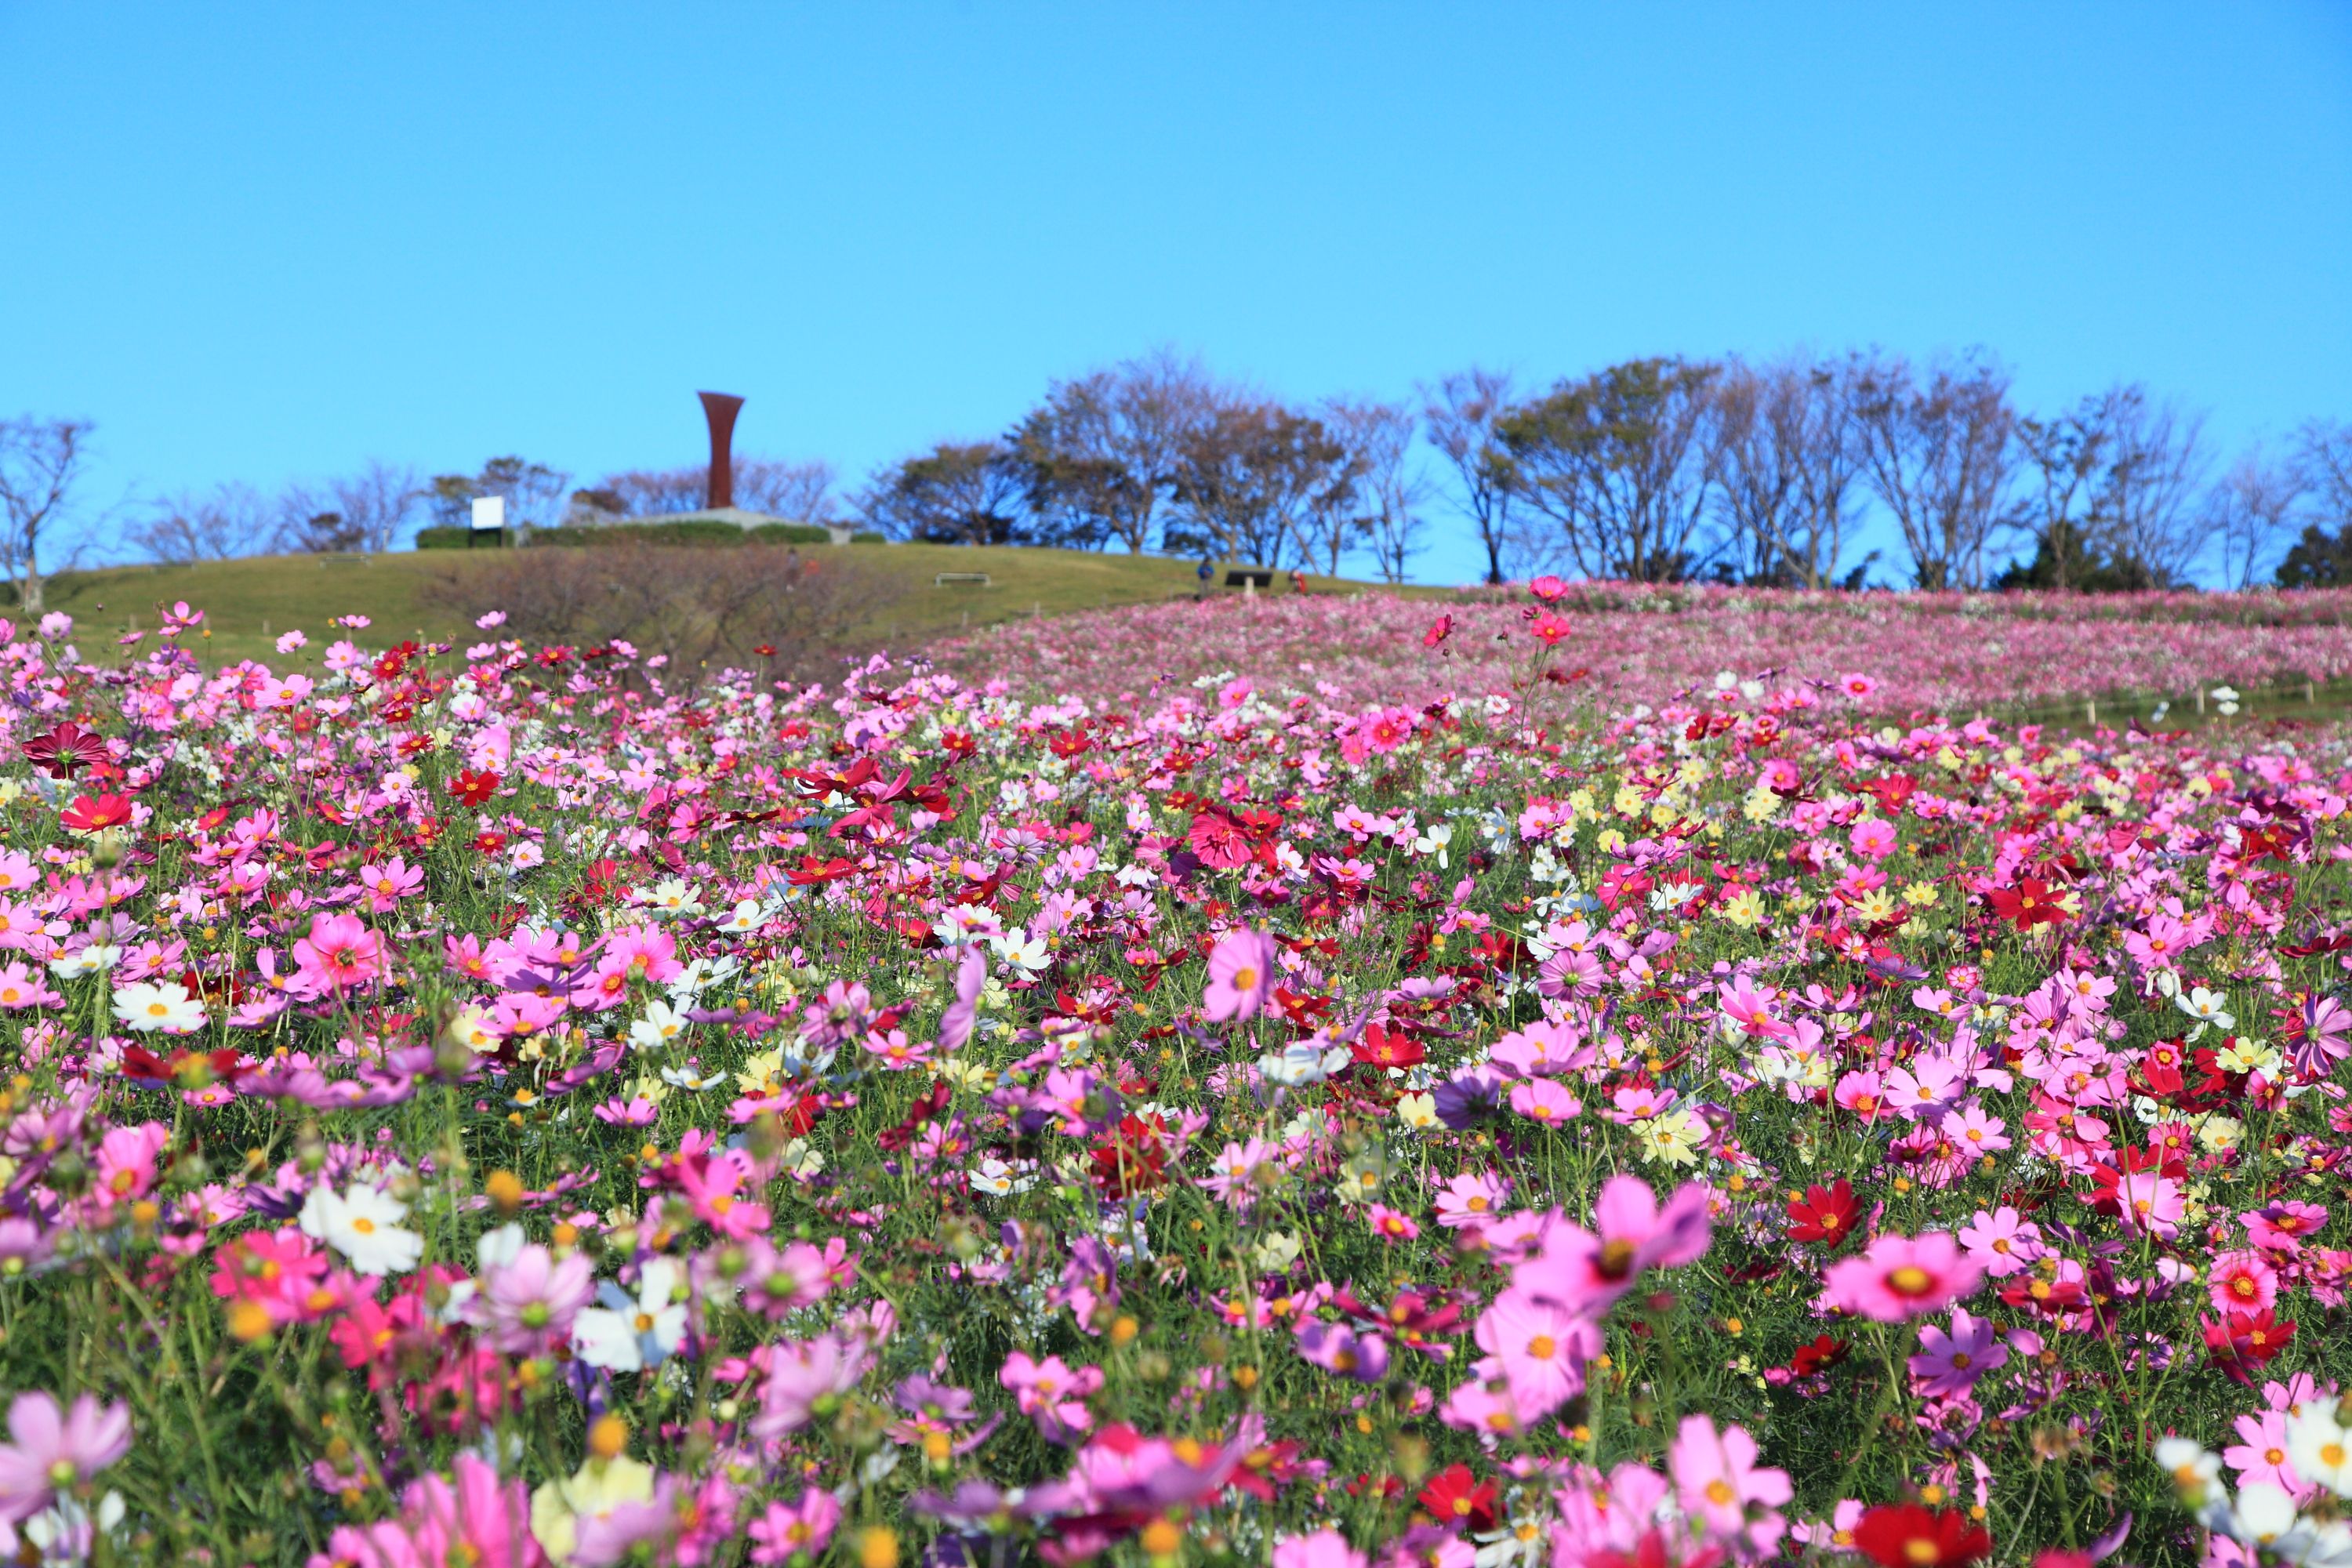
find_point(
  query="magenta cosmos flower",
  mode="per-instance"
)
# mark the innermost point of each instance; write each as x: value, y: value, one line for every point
x: 1241, y: 975
x: 1585, y: 1270
x: 54, y: 1451
x: 1903, y: 1276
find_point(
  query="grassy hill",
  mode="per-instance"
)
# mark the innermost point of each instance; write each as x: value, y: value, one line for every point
x: 250, y: 603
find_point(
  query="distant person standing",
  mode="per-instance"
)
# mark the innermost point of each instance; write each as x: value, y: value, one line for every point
x: 1204, y: 574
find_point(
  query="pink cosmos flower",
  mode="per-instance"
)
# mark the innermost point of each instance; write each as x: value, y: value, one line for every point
x: 1324, y: 1548
x: 1873, y: 838
x: 1543, y: 1100
x: 2241, y: 1282
x: 1542, y: 1347
x: 2150, y: 1203
x: 1586, y: 1270
x: 1716, y: 1480
x: 340, y: 952
x: 1548, y: 588
x: 787, y: 1531
x: 527, y: 1306
x: 1865, y: 1094
x: 1474, y: 1197
x: 54, y: 1451
x: 2000, y: 1242
x: 2261, y: 1458
x: 1334, y: 1347
x: 1051, y: 1395
x: 383, y: 886
x: 2282, y: 1226
x: 801, y: 1375
x: 1241, y: 975
x: 480, y: 1520
x: 1857, y: 685
x: 1903, y: 1276
x: 1949, y: 1364
x: 1389, y: 1225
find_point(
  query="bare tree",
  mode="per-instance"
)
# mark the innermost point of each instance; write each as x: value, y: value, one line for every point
x: 1389, y: 490
x: 1260, y: 484
x: 2249, y: 509
x: 2065, y: 456
x: 2323, y: 461
x: 1100, y: 455
x: 360, y: 514
x: 1789, y: 458
x: 956, y: 493
x: 230, y: 521
x: 1939, y: 455
x: 40, y: 461
x: 799, y: 492
x: 1621, y: 464
x: 2147, y: 504
x: 1459, y: 414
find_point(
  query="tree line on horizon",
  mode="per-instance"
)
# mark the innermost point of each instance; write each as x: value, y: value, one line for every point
x: 1661, y: 469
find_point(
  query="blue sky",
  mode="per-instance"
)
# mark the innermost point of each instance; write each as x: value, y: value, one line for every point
x: 266, y: 243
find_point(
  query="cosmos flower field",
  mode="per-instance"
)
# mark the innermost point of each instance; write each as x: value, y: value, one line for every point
x: 501, y: 1105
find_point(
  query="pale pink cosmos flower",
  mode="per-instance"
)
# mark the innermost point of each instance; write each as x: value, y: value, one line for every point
x: 56, y: 1450
x: 1336, y: 1347
x: 1324, y: 1548
x: 790, y: 1529
x: 2260, y: 1457
x: 1473, y: 1197
x: 527, y: 1306
x: 2000, y: 1242
x: 383, y: 886
x: 2150, y: 1203
x: 1949, y: 1364
x: 1977, y: 1133
x: 1903, y: 1276
x: 1543, y: 1348
x: 1051, y: 1395
x: 1864, y: 1093
x: 1543, y: 1100
x: 1241, y: 975
x: 1717, y: 1480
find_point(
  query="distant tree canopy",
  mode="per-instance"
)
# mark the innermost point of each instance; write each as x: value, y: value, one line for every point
x: 1660, y: 469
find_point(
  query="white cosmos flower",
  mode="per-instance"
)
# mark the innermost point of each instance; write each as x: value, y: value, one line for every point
x: 660, y: 1025
x: 168, y: 1007
x: 1301, y: 1062
x: 1018, y: 947
x: 364, y: 1224
x: 2321, y: 1448
x: 625, y: 1335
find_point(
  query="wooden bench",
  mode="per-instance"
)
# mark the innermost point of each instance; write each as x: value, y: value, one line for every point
x: 1249, y: 579
x: 978, y: 578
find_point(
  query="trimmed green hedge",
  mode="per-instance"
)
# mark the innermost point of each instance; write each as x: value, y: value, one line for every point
x: 640, y: 533
x: 792, y: 533
x: 443, y: 538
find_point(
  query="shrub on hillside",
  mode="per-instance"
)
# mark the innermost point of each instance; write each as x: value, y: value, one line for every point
x: 720, y: 606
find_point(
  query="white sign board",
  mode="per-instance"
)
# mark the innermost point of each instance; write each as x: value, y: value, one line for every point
x: 490, y: 513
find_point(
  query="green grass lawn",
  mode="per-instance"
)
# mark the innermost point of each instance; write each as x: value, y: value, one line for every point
x: 250, y: 603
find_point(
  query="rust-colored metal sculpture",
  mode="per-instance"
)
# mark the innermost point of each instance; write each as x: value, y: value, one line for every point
x: 720, y: 408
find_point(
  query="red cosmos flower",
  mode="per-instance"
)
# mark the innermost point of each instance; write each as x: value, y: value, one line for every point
x: 472, y: 788
x: 2030, y: 904
x: 765, y: 650
x: 1439, y: 630
x: 1384, y: 1047
x: 1824, y: 1213
x: 2244, y: 1343
x: 814, y: 871
x: 65, y: 748
x: 490, y: 843
x: 1455, y: 1499
x: 1549, y: 629
x: 89, y: 816
x: 1908, y: 1536
x: 1820, y: 1355
x: 1134, y: 1161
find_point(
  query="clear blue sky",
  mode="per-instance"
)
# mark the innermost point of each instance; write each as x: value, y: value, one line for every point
x: 268, y: 242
